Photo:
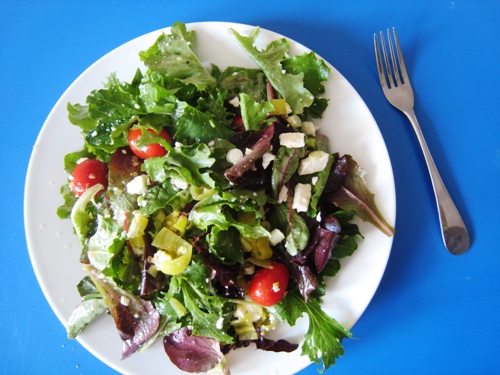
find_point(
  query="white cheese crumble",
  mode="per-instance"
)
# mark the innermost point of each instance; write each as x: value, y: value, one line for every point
x: 138, y: 185
x: 235, y: 102
x: 267, y: 158
x: 234, y: 155
x: 124, y: 300
x: 301, y: 197
x: 276, y: 287
x: 316, y: 161
x: 283, y: 195
x: 292, y: 140
x: 179, y: 183
x: 276, y: 237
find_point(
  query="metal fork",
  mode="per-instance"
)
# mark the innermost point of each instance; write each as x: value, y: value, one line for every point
x: 397, y: 89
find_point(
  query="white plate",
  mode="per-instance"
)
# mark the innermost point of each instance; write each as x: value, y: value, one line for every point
x: 55, y: 251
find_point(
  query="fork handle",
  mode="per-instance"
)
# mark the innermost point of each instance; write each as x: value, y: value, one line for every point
x: 453, y: 230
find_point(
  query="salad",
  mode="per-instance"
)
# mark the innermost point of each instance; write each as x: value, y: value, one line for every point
x: 208, y: 206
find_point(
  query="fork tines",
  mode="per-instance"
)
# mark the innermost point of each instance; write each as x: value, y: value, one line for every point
x: 394, y: 74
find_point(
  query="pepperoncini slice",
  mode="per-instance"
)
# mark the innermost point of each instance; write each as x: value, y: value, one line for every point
x: 174, y: 253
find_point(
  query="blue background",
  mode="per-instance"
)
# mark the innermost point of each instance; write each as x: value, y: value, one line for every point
x: 433, y: 313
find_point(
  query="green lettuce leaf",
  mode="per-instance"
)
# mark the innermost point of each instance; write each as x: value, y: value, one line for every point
x: 221, y: 211
x: 107, y: 240
x: 238, y: 80
x: 253, y: 113
x: 315, y: 73
x: 84, y: 314
x: 173, y: 56
x: 323, y: 340
x: 289, y: 86
x: 194, y: 125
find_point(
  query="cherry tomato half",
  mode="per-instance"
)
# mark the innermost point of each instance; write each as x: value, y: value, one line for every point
x: 88, y: 173
x: 149, y: 151
x: 268, y: 285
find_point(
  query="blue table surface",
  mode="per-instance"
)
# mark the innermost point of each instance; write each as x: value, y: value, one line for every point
x: 433, y: 313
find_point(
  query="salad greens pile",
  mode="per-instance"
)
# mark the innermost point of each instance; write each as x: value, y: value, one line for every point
x: 172, y: 242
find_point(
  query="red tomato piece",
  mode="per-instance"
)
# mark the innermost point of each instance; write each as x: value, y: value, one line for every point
x: 88, y: 173
x: 149, y: 151
x: 238, y: 123
x: 268, y: 285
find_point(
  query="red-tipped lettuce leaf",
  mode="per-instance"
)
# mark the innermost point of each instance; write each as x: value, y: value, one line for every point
x: 247, y: 163
x: 136, y: 319
x: 353, y: 194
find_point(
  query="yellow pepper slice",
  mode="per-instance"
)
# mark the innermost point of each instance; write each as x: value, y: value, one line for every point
x: 174, y: 252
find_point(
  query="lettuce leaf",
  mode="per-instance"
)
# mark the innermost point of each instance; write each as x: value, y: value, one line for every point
x: 315, y: 73
x: 323, y: 340
x: 289, y: 86
x: 221, y: 211
x: 173, y: 56
x: 354, y: 195
x: 253, y: 113
x: 238, y: 80
x: 136, y: 319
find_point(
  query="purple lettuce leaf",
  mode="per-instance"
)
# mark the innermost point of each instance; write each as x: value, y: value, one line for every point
x: 192, y: 353
x: 247, y: 163
x: 225, y: 275
x: 300, y: 271
x: 136, y: 319
x: 262, y: 343
x: 353, y: 194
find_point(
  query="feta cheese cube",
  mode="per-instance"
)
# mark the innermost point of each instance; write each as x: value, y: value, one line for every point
x: 316, y: 161
x: 235, y: 102
x: 283, y: 195
x: 138, y: 185
x: 292, y: 140
x: 267, y: 158
x: 301, y: 197
x: 276, y: 237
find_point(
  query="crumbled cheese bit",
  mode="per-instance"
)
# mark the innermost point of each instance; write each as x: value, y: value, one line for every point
x: 309, y: 128
x: 249, y: 269
x: 267, y: 158
x: 292, y: 140
x: 276, y: 287
x: 235, y: 102
x: 316, y: 161
x: 248, y: 151
x: 179, y: 183
x: 234, y: 155
x: 138, y: 185
x: 220, y: 323
x: 301, y: 198
x: 178, y: 144
x: 283, y: 195
x: 124, y: 300
x: 276, y: 237
x: 314, y: 180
